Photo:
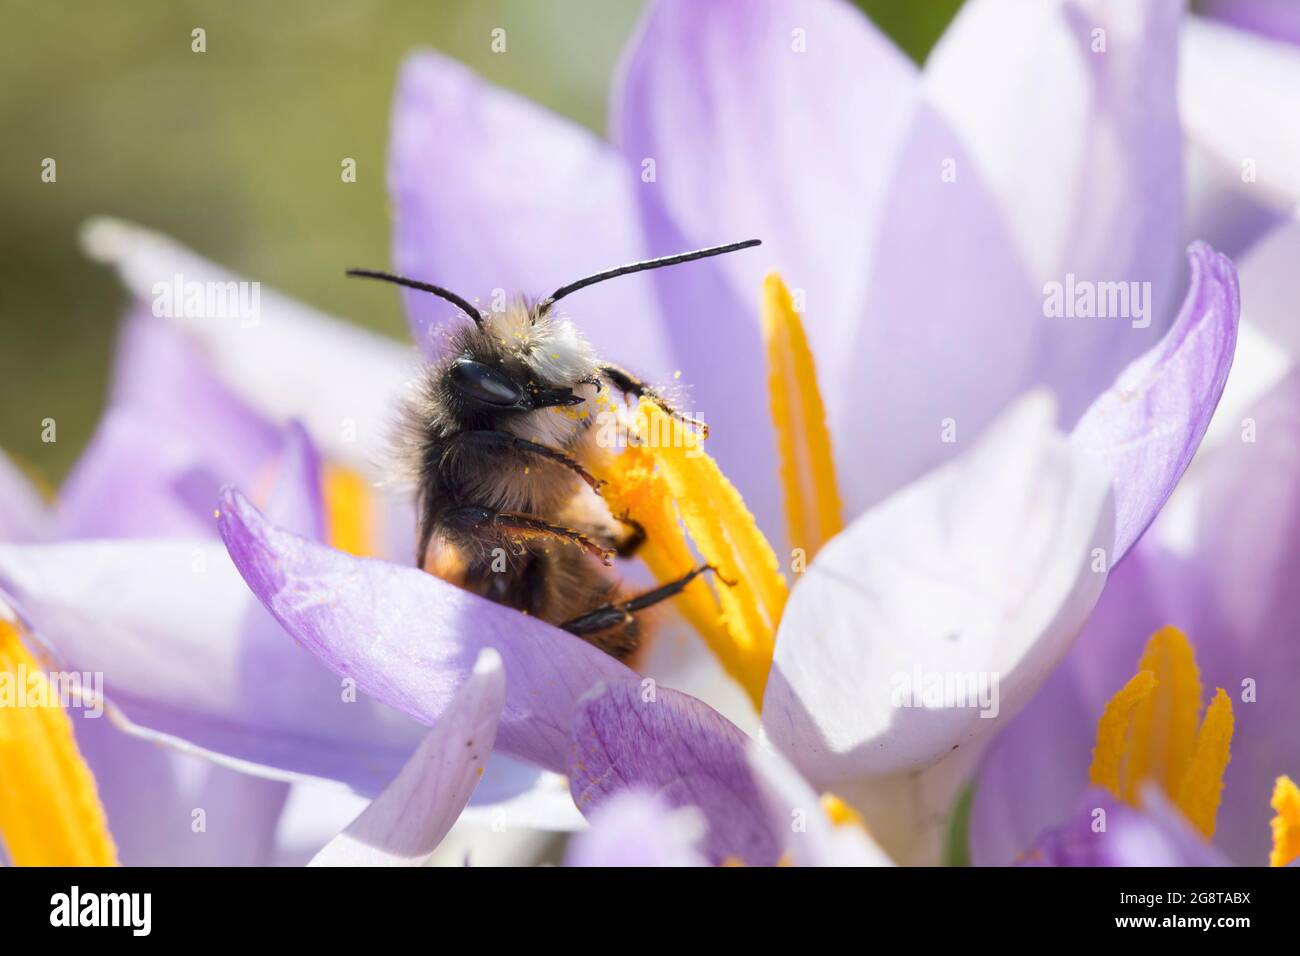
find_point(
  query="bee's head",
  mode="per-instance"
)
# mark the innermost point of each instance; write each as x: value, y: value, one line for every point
x: 513, y: 362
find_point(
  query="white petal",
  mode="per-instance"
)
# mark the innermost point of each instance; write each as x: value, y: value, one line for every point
x: 797, y: 810
x: 404, y: 824
x: 981, y: 571
x: 340, y: 380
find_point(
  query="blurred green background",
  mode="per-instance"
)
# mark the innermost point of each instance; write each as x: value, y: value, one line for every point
x: 236, y: 152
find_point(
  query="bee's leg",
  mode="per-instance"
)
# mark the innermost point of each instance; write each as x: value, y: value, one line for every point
x: 525, y: 527
x: 612, y: 615
x: 495, y: 439
x: 629, y: 384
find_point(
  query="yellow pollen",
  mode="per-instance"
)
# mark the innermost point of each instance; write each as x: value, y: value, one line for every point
x: 664, y: 485
x: 1164, y: 725
x: 1286, y: 825
x: 840, y: 813
x: 635, y: 489
x: 1149, y: 732
x: 814, y: 511
x: 1113, y: 732
x: 50, y: 814
x: 1203, y: 784
x: 349, y: 511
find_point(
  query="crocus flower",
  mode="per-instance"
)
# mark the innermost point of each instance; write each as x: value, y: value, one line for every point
x: 924, y: 314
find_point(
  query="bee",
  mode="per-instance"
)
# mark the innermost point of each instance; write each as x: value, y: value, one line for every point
x: 493, y: 441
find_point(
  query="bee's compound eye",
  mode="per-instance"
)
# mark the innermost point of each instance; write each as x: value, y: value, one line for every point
x: 485, y: 384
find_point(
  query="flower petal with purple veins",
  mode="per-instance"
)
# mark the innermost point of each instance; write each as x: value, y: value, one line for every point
x: 1147, y: 426
x: 680, y: 749
x: 404, y: 824
x: 410, y: 639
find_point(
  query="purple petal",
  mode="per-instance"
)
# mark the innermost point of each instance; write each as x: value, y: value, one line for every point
x: 744, y: 109
x: 949, y: 329
x: 410, y: 639
x: 751, y: 139
x: 161, y: 374
x: 404, y: 824
x: 636, y: 828
x: 296, y: 503
x: 189, y: 655
x: 1146, y: 428
x: 288, y: 361
x: 151, y: 794
x: 22, y: 512
x: 1082, y: 148
x: 1105, y: 832
x: 1279, y: 19
x: 680, y: 749
x: 517, y: 200
x: 1232, y: 86
x: 1227, y: 558
x: 172, y: 436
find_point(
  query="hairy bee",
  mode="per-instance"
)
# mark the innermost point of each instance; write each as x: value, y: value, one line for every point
x: 493, y: 442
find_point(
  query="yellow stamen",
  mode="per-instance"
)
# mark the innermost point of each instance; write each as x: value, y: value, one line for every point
x: 1198, y: 797
x: 1164, y: 725
x: 664, y: 484
x: 1148, y: 732
x: 349, y: 511
x: 729, y: 539
x: 50, y: 814
x: 840, y: 813
x: 1286, y: 825
x: 1114, y: 732
x: 814, y: 511
x: 636, y: 490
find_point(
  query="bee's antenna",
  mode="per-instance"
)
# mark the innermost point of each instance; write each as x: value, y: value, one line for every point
x: 561, y: 292
x: 437, y: 290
